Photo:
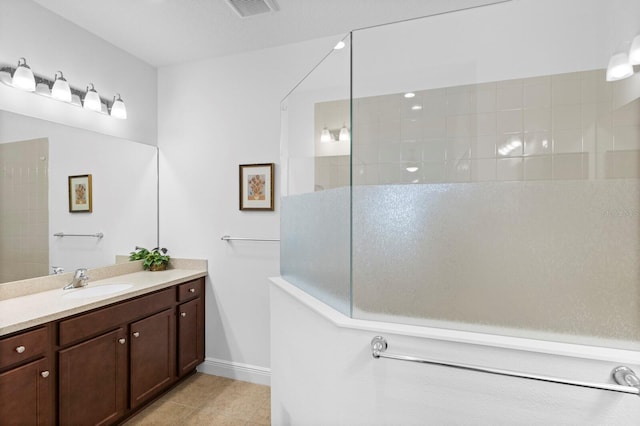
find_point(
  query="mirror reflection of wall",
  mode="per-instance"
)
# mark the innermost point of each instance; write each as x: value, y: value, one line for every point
x: 124, y: 175
x: 24, y: 195
x: 552, y: 127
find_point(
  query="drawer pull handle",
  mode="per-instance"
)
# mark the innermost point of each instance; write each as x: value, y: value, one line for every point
x: 136, y: 334
x: 122, y: 341
x: 44, y: 374
x: 20, y: 349
x: 192, y: 290
x: 183, y: 314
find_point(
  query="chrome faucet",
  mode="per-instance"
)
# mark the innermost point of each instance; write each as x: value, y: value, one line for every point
x: 79, y: 279
x: 57, y: 270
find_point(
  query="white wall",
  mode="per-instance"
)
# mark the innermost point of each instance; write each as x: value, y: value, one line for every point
x: 215, y: 115
x: 51, y: 43
x: 323, y: 373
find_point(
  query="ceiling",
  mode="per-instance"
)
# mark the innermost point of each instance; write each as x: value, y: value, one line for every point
x: 165, y: 32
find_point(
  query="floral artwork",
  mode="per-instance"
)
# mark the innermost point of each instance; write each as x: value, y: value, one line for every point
x: 256, y: 186
x: 80, y: 194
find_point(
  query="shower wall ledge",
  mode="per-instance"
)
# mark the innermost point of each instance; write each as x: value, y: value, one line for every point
x: 474, y: 338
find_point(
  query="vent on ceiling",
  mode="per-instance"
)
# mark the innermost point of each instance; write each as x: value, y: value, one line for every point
x: 246, y: 8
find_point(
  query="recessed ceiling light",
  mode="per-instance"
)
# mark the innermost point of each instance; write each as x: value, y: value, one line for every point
x: 412, y: 169
x: 409, y: 95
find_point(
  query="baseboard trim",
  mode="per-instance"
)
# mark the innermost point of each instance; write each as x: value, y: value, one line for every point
x: 236, y: 371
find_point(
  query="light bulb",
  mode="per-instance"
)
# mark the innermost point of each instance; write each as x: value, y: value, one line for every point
x: 344, y: 134
x: 634, y: 51
x: 340, y: 45
x: 61, y: 89
x: 23, y: 77
x: 92, y: 99
x: 325, y: 135
x: 619, y: 67
x: 118, y: 109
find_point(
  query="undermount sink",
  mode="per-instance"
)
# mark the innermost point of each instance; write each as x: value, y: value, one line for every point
x: 102, y: 290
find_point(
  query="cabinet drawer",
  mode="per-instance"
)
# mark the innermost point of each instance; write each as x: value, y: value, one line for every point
x: 190, y: 290
x: 23, y: 346
x: 93, y: 323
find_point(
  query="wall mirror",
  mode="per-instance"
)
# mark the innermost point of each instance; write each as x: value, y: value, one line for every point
x: 36, y: 159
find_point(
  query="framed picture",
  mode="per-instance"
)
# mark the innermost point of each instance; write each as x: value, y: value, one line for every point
x: 80, y: 194
x: 256, y: 186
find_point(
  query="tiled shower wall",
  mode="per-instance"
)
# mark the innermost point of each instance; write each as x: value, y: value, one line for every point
x: 24, y: 211
x: 558, y: 127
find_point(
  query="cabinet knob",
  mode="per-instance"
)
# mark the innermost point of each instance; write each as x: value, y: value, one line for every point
x: 44, y: 374
x: 136, y: 334
x: 183, y: 314
x: 192, y: 290
x: 122, y: 341
x: 20, y: 349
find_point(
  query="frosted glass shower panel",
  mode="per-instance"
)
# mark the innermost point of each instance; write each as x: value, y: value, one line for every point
x: 496, y: 174
x: 316, y: 175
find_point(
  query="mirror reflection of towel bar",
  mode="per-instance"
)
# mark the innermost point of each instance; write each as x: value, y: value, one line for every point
x: 62, y: 234
x: 626, y: 379
x: 228, y: 238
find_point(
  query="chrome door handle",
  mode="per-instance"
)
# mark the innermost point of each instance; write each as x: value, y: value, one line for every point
x: 183, y: 314
x: 136, y: 334
x: 20, y: 349
x: 122, y: 341
x: 44, y: 374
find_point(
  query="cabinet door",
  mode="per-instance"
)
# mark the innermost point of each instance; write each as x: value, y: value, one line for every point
x: 25, y: 395
x: 153, y: 348
x: 190, y: 335
x: 93, y: 380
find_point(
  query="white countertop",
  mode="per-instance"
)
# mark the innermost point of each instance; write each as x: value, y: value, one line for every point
x: 19, y: 313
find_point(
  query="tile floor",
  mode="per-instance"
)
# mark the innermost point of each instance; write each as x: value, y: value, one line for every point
x: 203, y: 399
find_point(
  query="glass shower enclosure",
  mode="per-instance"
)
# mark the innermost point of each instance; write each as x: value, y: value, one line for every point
x: 471, y: 171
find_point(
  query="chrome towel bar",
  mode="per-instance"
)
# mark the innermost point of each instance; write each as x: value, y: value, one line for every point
x: 228, y: 238
x: 626, y: 379
x: 62, y: 234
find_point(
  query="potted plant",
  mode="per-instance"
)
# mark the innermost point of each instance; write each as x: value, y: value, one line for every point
x: 155, y: 259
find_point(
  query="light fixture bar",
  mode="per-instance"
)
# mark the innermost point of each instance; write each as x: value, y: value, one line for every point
x: 58, y: 90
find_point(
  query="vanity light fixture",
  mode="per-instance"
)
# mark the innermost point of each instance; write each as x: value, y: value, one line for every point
x: 344, y: 134
x: 619, y: 67
x: 634, y: 51
x: 92, y: 99
x: 61, y: 89
x: 118, y: 109
x: 23, y: 77
x: 326, y: 136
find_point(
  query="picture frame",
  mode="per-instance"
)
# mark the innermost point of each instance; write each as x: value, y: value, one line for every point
x: 80, y: 194
x: 256, y: 186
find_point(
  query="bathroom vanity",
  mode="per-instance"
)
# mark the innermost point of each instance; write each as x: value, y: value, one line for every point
x: 98, y: 359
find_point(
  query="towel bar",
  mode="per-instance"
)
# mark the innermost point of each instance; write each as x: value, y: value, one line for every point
x: 626, y: 379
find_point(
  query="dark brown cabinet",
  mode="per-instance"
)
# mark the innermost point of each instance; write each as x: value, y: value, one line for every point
x: 93, y: 379
x: 26, y: 379
x: 25, y: 395
x: 152, y: 360
x: 102, y: 365
x: 190, y: 335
